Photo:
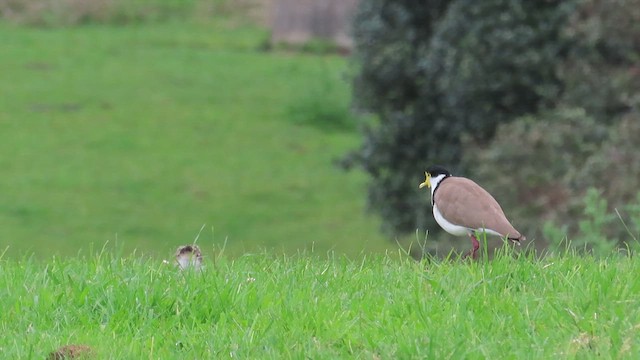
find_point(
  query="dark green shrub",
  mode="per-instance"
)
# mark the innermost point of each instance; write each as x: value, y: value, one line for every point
x: 601, y: 73
x: 595, y: 225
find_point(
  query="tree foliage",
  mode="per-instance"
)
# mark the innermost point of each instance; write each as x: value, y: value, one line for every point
x: 601, y: 73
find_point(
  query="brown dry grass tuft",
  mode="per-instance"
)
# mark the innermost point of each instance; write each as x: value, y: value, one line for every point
x: 71, y: 352
x: 77, y: 12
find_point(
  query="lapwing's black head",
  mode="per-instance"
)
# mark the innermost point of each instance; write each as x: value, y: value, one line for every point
x: 436, y: 170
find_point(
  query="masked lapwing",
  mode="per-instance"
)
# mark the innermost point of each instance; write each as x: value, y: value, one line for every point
x: 462, y: 207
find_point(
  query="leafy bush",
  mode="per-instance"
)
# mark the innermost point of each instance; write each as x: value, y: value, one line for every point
x: 601, y: 73
x: 433, y: 71
x: 594, y: 227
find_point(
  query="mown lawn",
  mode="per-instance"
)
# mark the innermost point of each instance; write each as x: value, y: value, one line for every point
x: 323, y: 307
x: 140, y: 135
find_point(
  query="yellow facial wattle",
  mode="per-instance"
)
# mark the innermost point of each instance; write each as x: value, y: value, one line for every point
x: 427, y: 181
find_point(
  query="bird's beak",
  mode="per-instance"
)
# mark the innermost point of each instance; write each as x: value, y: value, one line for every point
x: 427, y: 181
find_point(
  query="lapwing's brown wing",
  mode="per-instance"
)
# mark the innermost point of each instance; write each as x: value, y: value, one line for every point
x: 463, y: 202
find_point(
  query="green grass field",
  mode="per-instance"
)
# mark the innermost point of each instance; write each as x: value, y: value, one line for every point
x: 318, y: 307
x: 137, y: 136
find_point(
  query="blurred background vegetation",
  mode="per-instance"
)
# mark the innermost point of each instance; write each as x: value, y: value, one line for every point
x: 145, y: 124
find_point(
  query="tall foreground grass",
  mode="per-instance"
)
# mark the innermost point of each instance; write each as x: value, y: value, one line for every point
x: 323, y: 307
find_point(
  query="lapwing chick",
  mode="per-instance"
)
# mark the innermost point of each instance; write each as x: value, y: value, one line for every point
x: 189, y: 256
x: 462, y: 207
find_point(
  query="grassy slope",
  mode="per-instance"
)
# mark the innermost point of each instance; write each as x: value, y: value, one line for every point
x: 145, y: 133
x: 261, y: 306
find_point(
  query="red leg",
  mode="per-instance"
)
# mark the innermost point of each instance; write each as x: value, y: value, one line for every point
x: 476, y: 246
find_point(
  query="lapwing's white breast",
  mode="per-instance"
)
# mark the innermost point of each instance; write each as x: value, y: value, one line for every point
x: 452, y: 229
